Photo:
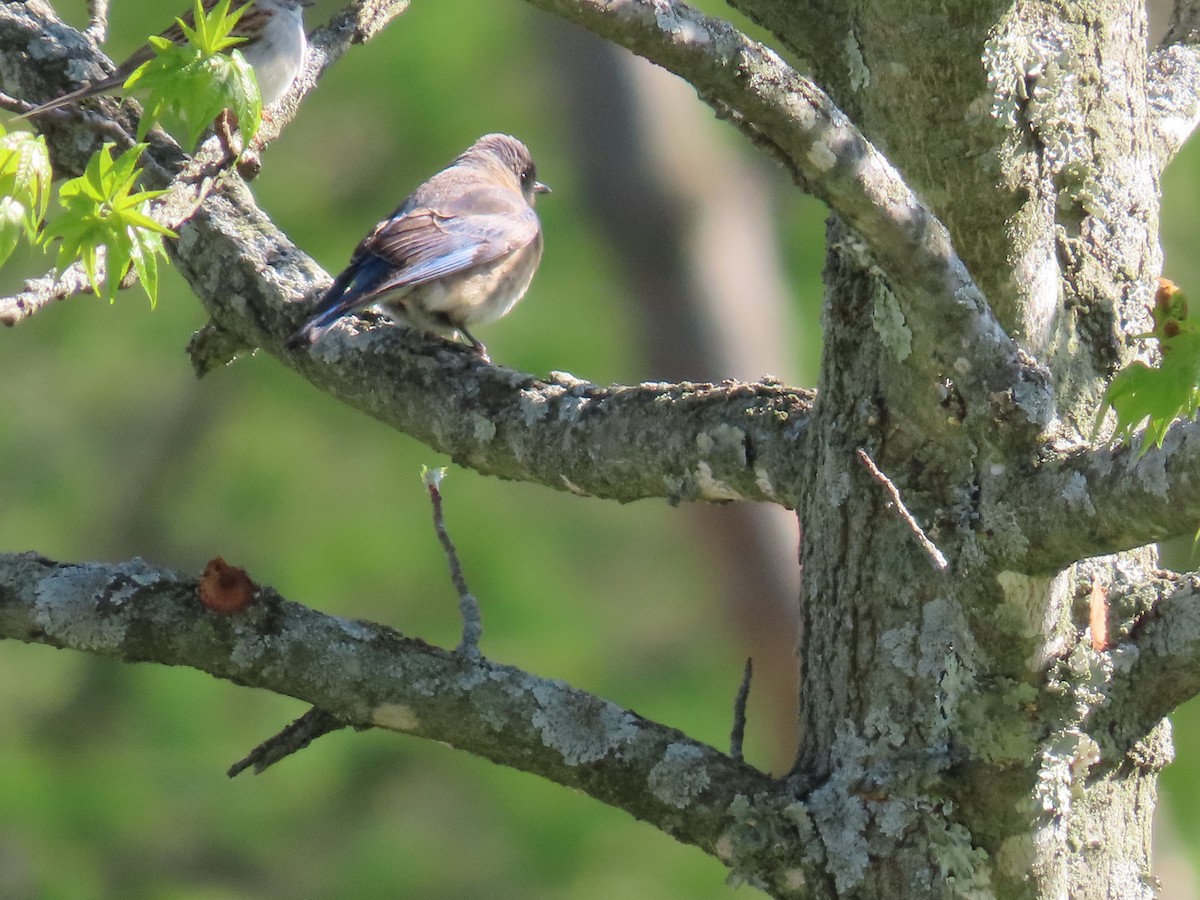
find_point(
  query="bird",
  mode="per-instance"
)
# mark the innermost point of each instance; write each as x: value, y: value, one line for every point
x: 461, y: 249
x: 275, y: 46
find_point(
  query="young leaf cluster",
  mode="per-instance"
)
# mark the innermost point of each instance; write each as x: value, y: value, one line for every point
x: 24, y: 188
x: 189, y: 85
x: 102, y: 211
x: 104, y: 222
x: 1158, y: 395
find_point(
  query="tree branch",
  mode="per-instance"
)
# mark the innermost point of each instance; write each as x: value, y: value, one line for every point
x: 1159, y: 662
x: 955, y: 334
x: 367, y: 674
x: 1096, y: 501
x: 1173, y: 81
x: 97, y: 28
x: 40, y: 292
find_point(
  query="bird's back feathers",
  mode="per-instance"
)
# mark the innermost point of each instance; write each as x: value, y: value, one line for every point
x: 464, y: 220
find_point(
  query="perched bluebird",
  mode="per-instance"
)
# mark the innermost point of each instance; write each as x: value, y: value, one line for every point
x: 461, y: 249
x: 274, y: 45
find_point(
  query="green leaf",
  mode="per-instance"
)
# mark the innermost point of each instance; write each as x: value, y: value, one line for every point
x: 24, y: 188
x: 12, y: 226
x: 188, y: 85
x: 1155, y: 396
x: 102, y: 209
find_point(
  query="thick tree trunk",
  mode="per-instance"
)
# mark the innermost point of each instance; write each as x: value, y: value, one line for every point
x: 943, y: 712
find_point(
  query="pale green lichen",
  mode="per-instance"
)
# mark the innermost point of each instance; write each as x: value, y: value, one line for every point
x: 821, y: 156
x: 763, y: 836
x: 895, y: 817
x: 580, y: 727
x: 724, y: 441
x: 888, y: 320
x: 1007, y: 537
x: 840, y: 814
x: 1012, y: 60
x: 680, y: 776
x: 1151, y: 473
x: 899, y: 645
x: 395, y: 717
x: 880, y: 724
x: 247, y: 651
x: 82, y: 605
x: 484, y: 429
x: 842, y: 820
x: 836, y: 482
x: 711, y: 488
x: 762, y: 478
x: 679, y: 23
x: 995, y: 724
x: 946, y: 654
x: 962, y: 865
x: 535, y: 404
x: 860, y: 75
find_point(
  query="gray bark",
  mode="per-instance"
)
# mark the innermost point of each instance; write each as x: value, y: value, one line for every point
x: 992, y: 171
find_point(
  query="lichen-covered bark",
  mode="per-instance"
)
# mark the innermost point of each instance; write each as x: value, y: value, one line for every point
x: 976, y: 730
x: 965, y: 693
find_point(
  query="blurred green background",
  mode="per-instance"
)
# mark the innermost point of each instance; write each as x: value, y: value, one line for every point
x: 112, y: 777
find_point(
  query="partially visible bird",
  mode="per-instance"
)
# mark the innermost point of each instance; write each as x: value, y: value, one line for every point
x: 275, y: 46
x: 461, y: 249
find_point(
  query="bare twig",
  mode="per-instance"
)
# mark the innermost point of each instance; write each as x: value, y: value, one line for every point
x: 935, y: 555
x: 738, y: 734
x: 299, y: 734
x: 467, y: 604
x: 41, y: 292
x: 1173, y: 80
x: 97, y: 28
x: 13, y: 105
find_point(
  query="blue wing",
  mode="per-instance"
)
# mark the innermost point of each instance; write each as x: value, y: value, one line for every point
x: 420, y: 244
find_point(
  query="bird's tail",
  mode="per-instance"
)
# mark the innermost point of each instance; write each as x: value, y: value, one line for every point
x: 352, y: 289
x: 312, y: 330
x: 88, y: 90
x: 337, y: 301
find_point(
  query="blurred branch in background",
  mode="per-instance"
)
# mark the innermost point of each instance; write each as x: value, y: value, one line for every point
x: 692, y: 222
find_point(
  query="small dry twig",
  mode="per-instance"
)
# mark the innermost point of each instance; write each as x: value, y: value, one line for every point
x: 738, y: 734
x: 935, y: 555
x: 41, y: 292
x: 467, y: 604
x: 97, y: 28
x: 298, y: 735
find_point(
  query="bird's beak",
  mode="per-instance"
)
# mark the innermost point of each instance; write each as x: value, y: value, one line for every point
x: 539, y: 188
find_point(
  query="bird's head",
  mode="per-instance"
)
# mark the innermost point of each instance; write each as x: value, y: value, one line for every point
x: 506, y: 154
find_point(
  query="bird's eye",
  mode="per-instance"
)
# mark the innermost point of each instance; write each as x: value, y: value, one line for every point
x: 527, y: 175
